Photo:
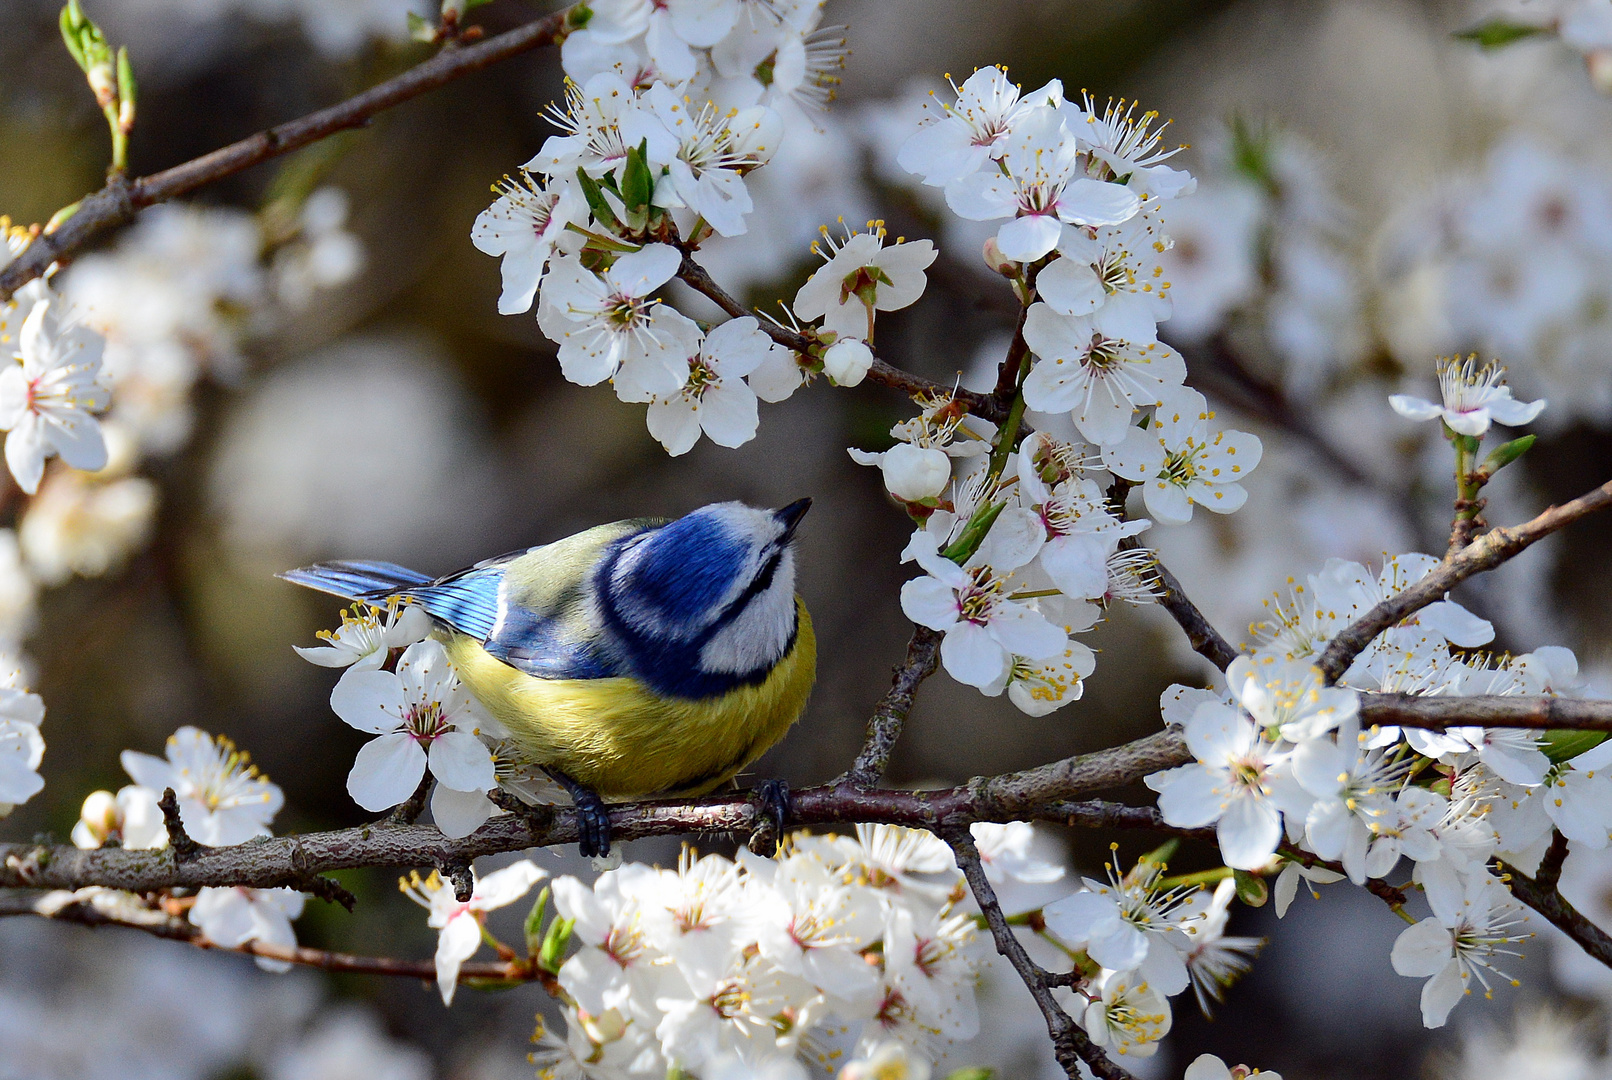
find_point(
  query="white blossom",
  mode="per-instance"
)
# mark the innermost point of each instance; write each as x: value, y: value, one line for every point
x: 460, y: 922
x: 366, y: 635
x: 131, y: 817
x: 1099, y: 367
x: 234, y: 916
x: 47, y: 397
x: 966, y: 136
x: 1452, y: 948
x: 523, y: 226
x: 424, y: 717
x: 1129, y: 1018
x: 1130, y: 923
x: 1180, y: 461
x: 861, y: 275
x: 604, y: 324
x: 716, y: 399
x: 222, y: 798
x: 1473, y: 397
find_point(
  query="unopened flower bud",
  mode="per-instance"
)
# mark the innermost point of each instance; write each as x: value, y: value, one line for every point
x: 1599, y: 64
x: 998, y: 262
x: 98, y: 820
x: 847, y: 361
x: 103, y: 82
x: 914, y: 473
x: 606, y: 1028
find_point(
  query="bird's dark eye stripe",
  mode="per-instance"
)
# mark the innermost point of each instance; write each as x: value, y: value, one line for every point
x: 761, y: 583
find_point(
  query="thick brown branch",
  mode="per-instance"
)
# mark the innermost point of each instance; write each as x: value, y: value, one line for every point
x: 1485, y: 553
x: 273, y: 862
x: 175, y: 928
x: 884, y: 727
x: 1438, y: 713
x: 982, y: 405
x: 121, y: 199
x: 1070, y: 1045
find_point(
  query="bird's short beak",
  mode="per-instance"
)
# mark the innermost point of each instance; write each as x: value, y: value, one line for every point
x: 790, y: 515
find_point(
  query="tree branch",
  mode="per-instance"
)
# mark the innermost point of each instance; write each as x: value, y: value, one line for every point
x: 1485, y: 553
x: 1549, y: 902
x: 697, y: 278
x: 121, y: 198
x: 1205, y: 639
x: 884, y: 727
x: 1070, y: 1045
x: 1439, y: 713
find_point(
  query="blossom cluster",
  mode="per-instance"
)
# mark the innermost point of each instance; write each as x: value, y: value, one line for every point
x: 1285, y: 772
x: 222, y: 800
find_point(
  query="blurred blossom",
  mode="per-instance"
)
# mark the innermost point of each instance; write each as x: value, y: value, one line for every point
x: 1211, y: 268
x: 298, y: 474
x: 337, y: 28
x: 348, y: 1042
x: 323, y: 255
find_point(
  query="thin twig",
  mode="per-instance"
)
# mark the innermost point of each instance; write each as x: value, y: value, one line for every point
x: 1070, y: 1045
x: 1485, y: 553
x: 1206, y: 641
x: 179, y: 842
x: 884, y: 727
x: 697, y: 278
x: 121, y: 199
x: 175, y: 928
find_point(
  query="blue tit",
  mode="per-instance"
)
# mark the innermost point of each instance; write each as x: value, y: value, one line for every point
x: 645, y: 657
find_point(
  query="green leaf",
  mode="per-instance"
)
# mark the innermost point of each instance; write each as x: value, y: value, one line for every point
x: 1506, y: 453
x: 552, y: 952
x: 973, y: 534
x: 70, y: 34
x: 578, y: 17
x: 595, y: 198
x: 1162, y: 854
x: 1498, y: 32
x: 1562, y: 746
x: 534, y: 923
x: 1251, y: 888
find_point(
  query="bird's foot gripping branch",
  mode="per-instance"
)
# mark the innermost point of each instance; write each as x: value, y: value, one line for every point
x: 604, y: 686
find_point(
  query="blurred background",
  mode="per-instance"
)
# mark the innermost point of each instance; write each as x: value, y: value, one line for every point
x: 309, y: 364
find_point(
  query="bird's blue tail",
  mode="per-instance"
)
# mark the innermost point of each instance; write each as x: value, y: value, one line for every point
x: 356, y: 580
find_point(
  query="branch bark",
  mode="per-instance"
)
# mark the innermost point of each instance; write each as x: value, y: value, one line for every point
x: 1549, y: 902
x: 1439, y: 713
x: 1070, y: 1045
x: 1204, y: 638
x: 1485, y: 553
x: 121, y: 198
x: 884, y: 727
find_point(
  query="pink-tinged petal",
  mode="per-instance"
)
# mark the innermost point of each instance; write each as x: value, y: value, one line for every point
x: 386, y: 771
x: 1472, y: 423
x: 458, y: 942
x: 1414, y: 408
x: 1071, y: 287
x: 25, y: 452
x: 929, y: 602
x: 371, y: 701
x: 1190, y: 797
x: 1249, y: 832
x: 459, y: 813
x: 1028, y: 238
x: 972, y: 656
x: 462, y: 762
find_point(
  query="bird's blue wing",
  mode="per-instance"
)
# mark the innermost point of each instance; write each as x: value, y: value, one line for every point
x: 468, y: 602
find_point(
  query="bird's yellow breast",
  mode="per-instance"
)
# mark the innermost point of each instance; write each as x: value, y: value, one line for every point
x: 620, y: 738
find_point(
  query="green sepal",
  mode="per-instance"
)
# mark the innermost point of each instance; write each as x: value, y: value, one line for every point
x: 973, y: 534
x: 125, y: 80
x: 1251, y: 888
x: 1562, y: 746
x: 596, y: 200
x: 1506, y: 453
x: 421, y: 29
x: 534, y: 923
x: 1161, y: 855
x: 973, y: 1072
x: 551, y: 954
x: 637, y: 185
x: 577, y: 16
x: 1498, y: 32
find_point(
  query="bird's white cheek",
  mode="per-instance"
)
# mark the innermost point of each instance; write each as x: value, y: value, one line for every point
x: 757, y: 637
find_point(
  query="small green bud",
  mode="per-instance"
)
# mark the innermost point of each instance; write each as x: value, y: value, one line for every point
x: 1505, y: 454
x: 552, y: 952
x: 420, y: 29
x: 1251, y: 888
x: 973, y: 1072
x: 534, y: 923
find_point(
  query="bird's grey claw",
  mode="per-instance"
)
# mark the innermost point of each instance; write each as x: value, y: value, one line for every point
x: 593, y: 819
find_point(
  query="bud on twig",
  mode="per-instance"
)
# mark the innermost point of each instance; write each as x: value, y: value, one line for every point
x: 110, y: 77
